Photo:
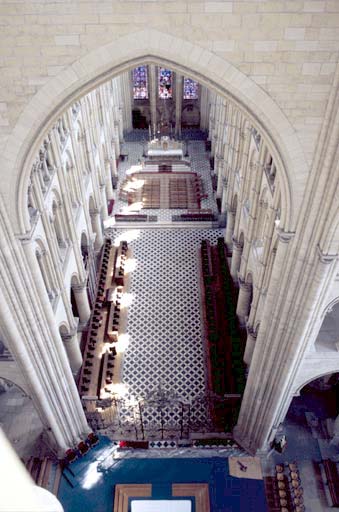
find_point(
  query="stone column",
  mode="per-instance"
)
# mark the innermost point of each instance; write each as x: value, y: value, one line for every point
x: 81, y: 298
x: 223, y: 214
x: 236, y: 259
x: 178, y: 104
x: 224, y: 195
x: 335, y: 439
x: 153, y: 97
x: 127, y: 100
x: 71, y: 344
x: 40, y: 258
x: 104, y: 201
x: 244, y: 301
x: 109, y: 188
x: 250, y: 344
x: 96, y: 224
x: 116, y: 145
x: 114, y: 163
x: 34, y: 340
x: 220, y: 166
x: 230, y: 221
x: 204, y: 107
x: 13, y: 475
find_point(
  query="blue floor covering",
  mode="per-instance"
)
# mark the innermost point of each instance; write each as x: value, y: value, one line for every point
x: 94, y: 490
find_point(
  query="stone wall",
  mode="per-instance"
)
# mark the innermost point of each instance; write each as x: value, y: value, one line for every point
x: 289, y: 47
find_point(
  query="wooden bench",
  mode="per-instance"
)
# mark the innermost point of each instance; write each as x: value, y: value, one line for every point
x: 331, y: 480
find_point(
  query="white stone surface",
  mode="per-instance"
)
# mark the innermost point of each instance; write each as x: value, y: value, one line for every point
x: 161, y: 506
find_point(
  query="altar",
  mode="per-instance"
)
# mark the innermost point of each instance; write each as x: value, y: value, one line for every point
x: 161, y: 506
x: 164, y: 147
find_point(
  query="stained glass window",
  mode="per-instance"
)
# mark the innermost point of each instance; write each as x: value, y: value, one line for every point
x: 191, y: 89
x: 140, y: 83
x: 165, y: 83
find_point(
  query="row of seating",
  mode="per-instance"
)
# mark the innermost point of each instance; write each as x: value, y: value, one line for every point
x: 106, y: 371
x: 119, y: 271
x: 113, y: 318
x: 39, y: 469
x: 206, y: 262
x: 194, y: 217
x: 220, y: 382
x: 120, y: 217
x: 332, y: 480
x: 223, y: 369
x: 97, y: 319
x: 230, y: 319
x: 290, y: 492
x: 277, y: 497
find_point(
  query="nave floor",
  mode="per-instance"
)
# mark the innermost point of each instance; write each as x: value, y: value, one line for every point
x: 164, y: 317
x: 200, y: 164
x: 165, y: 348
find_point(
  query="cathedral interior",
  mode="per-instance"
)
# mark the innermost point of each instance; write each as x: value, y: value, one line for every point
x: 169, y: 297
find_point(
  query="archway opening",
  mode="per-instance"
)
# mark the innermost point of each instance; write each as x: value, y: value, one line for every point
x: 19, y: 420
x: 309, y: 425
x: 161, y: 50
x: 328, y: 337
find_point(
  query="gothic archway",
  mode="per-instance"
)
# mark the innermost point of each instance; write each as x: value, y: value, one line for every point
x: 152, y: 46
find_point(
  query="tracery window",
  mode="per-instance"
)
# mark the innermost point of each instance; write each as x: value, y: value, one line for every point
x: 140, y: 83
x: 165, y: 83
x: 191, y: 89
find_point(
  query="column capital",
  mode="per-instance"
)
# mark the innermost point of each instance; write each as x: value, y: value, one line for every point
x: 244, y: 285
x: 236, y: 244
x: 69, y: 336
x: 251, y: 331
x: 325, y: 258
x: 285, y: 236
x: 230, y: 210
x: 78, y: 287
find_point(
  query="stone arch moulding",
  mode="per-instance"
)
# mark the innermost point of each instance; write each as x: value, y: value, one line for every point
x: 64, y: 329
x: 333, y: 367
x: 150, y: 46
x: 74, y: 279
x: 12, y: 373
x: 328, y: 308
x: 330, y: 237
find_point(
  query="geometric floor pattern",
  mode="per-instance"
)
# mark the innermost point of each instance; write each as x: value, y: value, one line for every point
x: 164, y: 325
x: 199, y: 160
x: 164, y: 321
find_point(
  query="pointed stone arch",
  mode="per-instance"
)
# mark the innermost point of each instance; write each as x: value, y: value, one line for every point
x: 333, y: 367
x: 150, y: 46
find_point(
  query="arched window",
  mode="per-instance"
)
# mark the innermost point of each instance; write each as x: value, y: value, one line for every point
x: 191, y: 89
x: 165, y: 83
x: 140, y: 83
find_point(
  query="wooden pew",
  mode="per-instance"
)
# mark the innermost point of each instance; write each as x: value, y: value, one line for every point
x: 331, y: 479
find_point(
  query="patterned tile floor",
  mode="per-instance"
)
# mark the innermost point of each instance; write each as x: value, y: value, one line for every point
x: 199, y: 163
x: 164, y: 321
x: 164, y: 318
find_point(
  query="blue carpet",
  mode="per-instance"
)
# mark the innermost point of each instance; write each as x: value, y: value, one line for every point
x: 94, y: 490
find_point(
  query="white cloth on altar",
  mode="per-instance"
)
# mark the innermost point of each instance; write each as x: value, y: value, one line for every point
x: 161, y: 506
x: 164, y: 152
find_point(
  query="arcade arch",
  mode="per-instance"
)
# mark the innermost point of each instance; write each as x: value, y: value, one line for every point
x: 185, y: 58
x: 18, y: 417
